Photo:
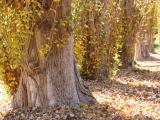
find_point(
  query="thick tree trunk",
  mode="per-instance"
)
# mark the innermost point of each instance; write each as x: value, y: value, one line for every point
x: 51, y: 79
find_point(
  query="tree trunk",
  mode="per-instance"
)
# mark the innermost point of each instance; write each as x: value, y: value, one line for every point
x: 52, y: 78
x: 146, y: 45
x: 102, y: 72
x: 89, y: 64
x: 128, y: 49
x: 141, y: 50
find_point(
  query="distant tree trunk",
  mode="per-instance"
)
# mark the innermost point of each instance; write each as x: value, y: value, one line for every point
x: 146, y: 45
x: 138, y: 51
x: 102, y: 72
x: 51, y: 79
x: 128, y: 49
x: 141, y: 50
x: 91, y: 44
x: 150, y: 35
x: 89, y: 60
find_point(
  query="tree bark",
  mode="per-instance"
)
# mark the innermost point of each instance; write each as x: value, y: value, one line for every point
x: 128, y: 49
x: 145, y: 46
x: 89, y: 64
x: 102, y: 72
x: 52, y: 79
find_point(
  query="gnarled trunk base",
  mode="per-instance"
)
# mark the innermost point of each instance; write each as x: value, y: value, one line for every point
x: 60, y: 84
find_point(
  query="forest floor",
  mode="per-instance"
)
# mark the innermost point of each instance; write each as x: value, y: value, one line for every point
x: 133, y: 94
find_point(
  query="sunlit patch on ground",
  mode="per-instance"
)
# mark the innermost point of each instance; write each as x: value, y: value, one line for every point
x: 137, y: 83
x: 153, y: 66
x: 4, y: 99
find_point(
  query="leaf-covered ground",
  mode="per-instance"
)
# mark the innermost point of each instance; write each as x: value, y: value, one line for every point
x: 134, y: 94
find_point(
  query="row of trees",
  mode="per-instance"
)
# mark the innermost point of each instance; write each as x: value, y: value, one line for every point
x: 112, y: 34
x: 39, y: 39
